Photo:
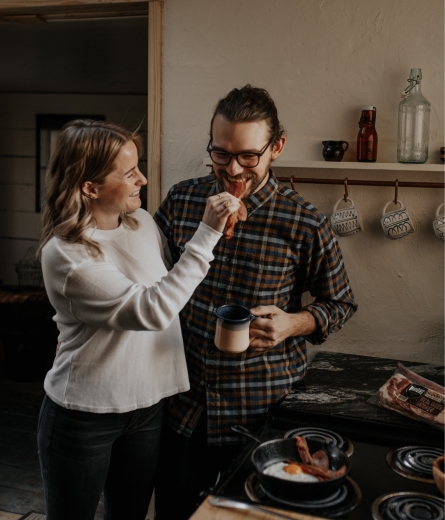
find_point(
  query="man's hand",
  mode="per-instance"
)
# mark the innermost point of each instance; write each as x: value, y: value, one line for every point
x: 274, y: 325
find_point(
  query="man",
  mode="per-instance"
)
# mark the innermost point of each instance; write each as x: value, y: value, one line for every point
x: 283, y: 248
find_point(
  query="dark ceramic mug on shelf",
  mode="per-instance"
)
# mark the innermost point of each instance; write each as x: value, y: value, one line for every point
x: 334, y: 150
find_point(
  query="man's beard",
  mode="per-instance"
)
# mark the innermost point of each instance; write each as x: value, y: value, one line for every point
x: 256, y: 178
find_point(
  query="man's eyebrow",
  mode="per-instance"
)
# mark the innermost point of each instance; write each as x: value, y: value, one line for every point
x: 251, y: 150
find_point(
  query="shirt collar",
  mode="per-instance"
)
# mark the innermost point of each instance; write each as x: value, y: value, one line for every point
x: 256, y: 200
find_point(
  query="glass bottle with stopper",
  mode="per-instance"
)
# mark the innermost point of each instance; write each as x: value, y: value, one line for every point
x: 414, y: 122
x: 367, y: 135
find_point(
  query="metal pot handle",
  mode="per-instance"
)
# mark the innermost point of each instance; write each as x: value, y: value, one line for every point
x: 244, y: 431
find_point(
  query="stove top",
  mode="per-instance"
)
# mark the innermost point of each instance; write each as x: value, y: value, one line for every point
x: 383, y: 483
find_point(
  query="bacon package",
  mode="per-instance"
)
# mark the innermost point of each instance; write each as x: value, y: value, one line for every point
x: 238, y: 190
x: 412, y: 395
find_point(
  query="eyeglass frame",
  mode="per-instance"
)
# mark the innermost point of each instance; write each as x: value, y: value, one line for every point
x: 231, y: 155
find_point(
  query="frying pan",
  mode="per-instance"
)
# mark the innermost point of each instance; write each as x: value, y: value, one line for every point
x: 281, y: 450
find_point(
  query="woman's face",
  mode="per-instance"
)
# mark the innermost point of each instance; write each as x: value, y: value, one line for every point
x: 120, y: 191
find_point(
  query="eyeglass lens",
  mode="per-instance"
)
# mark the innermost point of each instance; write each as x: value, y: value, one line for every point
x: 248, y: 160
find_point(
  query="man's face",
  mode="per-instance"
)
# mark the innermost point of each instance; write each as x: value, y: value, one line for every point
x: 243, y: 137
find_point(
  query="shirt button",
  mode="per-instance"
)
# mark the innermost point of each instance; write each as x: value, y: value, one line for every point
x: 222, y: 291
x: 210, y: 385
x: 226, y: 259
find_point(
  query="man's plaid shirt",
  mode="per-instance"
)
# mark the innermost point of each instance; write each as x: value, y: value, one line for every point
x: 285, y: 247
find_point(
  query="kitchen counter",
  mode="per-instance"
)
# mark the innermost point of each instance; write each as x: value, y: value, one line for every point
x: 342, y: 384
x: 336, y: 386
x: 208, y: 512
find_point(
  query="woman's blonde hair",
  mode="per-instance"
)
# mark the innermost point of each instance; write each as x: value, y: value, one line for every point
x: 85, y: 150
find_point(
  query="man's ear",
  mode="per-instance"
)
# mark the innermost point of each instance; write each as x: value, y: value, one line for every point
x: 89, y: 190
x: 278, y: 147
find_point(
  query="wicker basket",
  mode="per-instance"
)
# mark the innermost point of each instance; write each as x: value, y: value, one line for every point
x: 29, y: 270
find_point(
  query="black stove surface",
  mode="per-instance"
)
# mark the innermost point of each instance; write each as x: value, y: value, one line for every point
x: 370, y: 472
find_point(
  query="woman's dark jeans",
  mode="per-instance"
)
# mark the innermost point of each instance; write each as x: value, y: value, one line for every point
x: 82, y: 454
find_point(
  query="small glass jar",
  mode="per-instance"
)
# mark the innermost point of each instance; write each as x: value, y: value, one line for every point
x: 367, y: 136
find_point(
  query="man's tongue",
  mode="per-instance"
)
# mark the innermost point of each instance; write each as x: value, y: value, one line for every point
x: 238, y: 189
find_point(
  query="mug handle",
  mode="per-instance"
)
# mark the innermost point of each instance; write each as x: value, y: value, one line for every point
x: 392, y: 202
x: 339, y: 200
x: 438, y: 209
x: 345, y: 143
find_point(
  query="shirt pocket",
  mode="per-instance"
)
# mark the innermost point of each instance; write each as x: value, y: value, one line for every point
x: 271, y: 278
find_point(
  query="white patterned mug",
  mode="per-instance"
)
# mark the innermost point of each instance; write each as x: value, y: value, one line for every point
x: 397, y: 223
x: 346, y: 221
x: 439, y: 223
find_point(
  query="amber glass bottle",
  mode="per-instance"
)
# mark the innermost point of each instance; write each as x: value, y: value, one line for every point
x: 367, y: 136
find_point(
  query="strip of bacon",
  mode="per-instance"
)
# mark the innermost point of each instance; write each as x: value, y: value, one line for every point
x: 238, y: 190
x: 321, y: 459
x: 316, y: 464
x: 303, y: 450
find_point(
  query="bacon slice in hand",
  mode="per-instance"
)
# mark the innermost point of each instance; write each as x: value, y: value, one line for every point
x: 238, y: 190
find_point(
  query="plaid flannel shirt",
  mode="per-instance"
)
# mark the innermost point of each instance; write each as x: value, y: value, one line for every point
x: 285, y: 247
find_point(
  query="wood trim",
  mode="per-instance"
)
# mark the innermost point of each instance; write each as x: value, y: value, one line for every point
x: 33, y: 6
x: 154, y: 106
x: 49, y: 13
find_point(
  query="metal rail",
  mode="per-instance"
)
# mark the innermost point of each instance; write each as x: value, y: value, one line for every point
x: 351, y: 182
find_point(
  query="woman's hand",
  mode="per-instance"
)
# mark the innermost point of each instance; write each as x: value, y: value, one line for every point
x: 218, y: 209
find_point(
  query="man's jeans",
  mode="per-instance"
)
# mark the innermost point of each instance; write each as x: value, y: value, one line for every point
x: 82, y: 454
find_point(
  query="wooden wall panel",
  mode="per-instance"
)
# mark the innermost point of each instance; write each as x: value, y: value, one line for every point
x: 16, y: 224
x: 17, y: 197
x: 17, y: 170
x: 17, y: 142
x: 19, y: 224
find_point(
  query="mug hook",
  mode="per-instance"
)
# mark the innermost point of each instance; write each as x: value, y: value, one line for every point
x: 396, y: 184
x: 346, y: 189
x: 292, y: 182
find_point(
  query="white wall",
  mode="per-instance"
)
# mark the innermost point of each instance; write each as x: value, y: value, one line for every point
x: 321, y: 61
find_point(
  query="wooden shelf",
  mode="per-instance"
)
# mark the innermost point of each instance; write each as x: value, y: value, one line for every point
x: 289, y: 163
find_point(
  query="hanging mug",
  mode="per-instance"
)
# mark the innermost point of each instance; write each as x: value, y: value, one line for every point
x: 346, y: 221
x: 439, y: 224
x: 397, y: 223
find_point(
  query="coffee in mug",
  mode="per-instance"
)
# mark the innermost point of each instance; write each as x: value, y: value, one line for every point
x: 232, y: 328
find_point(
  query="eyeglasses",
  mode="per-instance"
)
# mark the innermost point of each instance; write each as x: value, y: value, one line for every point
x: 245, y: 159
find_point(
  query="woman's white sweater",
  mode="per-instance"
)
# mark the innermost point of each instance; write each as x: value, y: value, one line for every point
x: 120, y: 339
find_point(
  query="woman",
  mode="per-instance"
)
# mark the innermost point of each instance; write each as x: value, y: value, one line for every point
x: 120, y: 348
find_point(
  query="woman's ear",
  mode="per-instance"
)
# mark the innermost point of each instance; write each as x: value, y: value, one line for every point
x: 89, y: 190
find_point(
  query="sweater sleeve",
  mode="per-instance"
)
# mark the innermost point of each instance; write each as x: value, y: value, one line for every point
x: 101, y: 296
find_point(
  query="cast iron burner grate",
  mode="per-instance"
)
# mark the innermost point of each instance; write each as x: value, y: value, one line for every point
x: 341, y: 502
x: 414, y: 462
x: 409, y: 506
x: 320, y: 434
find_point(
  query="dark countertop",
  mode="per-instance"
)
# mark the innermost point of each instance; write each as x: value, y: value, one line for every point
x: 341, y: 385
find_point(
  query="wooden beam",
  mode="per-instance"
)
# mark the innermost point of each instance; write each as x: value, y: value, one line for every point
x: 49, y: 13
x: 34, y: 5
x: 154, y: 106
